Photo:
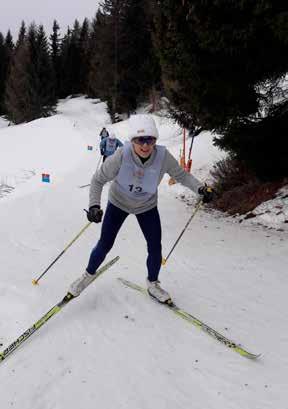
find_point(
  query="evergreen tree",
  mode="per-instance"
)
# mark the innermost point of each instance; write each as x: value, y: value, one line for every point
x: 101, y: 77
x: 39, y: 73
x: 45, y: 75
x: 19, y: 95
x: 84, y: 45
x: 64, y: 77
x: 71, y: 61
x: 123, y: 63
x: 75, y: 58
x: 2, y: 73
x: 21, y: 35
x: 6, y: 52
x: 93, y: 51
x: 30, y: 90
x: 221, y: 62
x: 9, y: 43
x: 33, y: 44
x: 139, y: 69
x: 213, y: 53
x: 55, y: 46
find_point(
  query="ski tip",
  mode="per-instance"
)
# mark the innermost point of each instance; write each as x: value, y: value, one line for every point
x: 248, y: 355
x: 255, y: 356
x: 35, y: 282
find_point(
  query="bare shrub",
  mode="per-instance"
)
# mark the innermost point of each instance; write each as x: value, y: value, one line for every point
x: 238, y: 190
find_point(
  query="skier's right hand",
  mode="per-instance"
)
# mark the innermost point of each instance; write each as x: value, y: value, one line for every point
x: 94, y: 215
x: 207, y: 193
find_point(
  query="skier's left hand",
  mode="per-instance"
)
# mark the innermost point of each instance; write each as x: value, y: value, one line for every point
x: 207, y: 193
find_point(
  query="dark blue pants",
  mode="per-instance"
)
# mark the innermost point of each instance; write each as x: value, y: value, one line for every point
x: 150, y: 225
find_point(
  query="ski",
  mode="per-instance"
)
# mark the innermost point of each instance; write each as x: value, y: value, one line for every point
x: 195, y: 321
x: 53, y: 311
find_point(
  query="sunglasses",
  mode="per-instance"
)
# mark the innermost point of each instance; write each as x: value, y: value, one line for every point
x: 141, y: 140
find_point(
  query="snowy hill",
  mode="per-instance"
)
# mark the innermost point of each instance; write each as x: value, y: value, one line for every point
x: 112, y: 347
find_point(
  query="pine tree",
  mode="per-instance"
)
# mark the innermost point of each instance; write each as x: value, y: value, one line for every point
x: 9, y: 42
x: 84, y: 45
x: 55, y: 46
x: 75, y: 58
x: 2, y: 73
x: 6, y: 52
x: 19, y: 94
x: 101, y: 80
x: 40, y: 73
x: 123, y: 64
x: 221, y: 63
x: 64, y: 72
x: 139, y: 69
x: 214, y: 53
x: 21, y: 35
x: 45, y: 75
x: 71, y: 61
x: 30, y: 92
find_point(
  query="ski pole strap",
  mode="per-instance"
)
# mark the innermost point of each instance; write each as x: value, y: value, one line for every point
x: 197, y: 207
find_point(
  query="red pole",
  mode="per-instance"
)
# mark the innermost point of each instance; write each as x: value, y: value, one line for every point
x: 182, y: 158
x: 184, y: 145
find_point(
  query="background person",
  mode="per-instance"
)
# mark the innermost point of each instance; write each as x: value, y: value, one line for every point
x: 109, y: 145
x: 104, y: 134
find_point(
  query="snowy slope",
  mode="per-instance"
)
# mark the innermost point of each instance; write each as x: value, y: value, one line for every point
x: 112, y: 347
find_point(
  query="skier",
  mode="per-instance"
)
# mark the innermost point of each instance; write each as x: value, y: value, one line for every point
x: 136, y: 171
x: 104, y: 133
x: 109, y: 145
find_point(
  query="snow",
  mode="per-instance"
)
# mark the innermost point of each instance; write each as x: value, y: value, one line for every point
x: 112, y: 347
x: 3, y: 122
x: 273, y: 213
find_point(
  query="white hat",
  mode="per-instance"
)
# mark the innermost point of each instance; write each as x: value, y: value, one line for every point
x: 142, y: 125
x: 112, y: 134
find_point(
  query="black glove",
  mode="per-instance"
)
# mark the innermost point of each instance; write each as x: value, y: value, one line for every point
x: 207, y: 192
x: 95, y: 214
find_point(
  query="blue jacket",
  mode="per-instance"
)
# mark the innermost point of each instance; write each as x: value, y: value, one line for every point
x: 108, y: 146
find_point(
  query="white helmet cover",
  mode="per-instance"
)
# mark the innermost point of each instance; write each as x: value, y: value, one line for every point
x: 112, y: 134
x: 142, y: 125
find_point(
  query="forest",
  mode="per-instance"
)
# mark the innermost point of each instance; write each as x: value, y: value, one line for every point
x: 222, y: 65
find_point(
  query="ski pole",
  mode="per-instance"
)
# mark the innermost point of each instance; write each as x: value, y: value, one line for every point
x: 99, y: 161
x: 198, y: 205
x: 96, y: 169
x: 35, y: 282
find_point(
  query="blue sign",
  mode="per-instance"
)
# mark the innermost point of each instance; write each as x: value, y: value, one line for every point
x: 45, y: 177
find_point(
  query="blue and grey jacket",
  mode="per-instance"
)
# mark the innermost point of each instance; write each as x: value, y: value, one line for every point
x: 109, y: 145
